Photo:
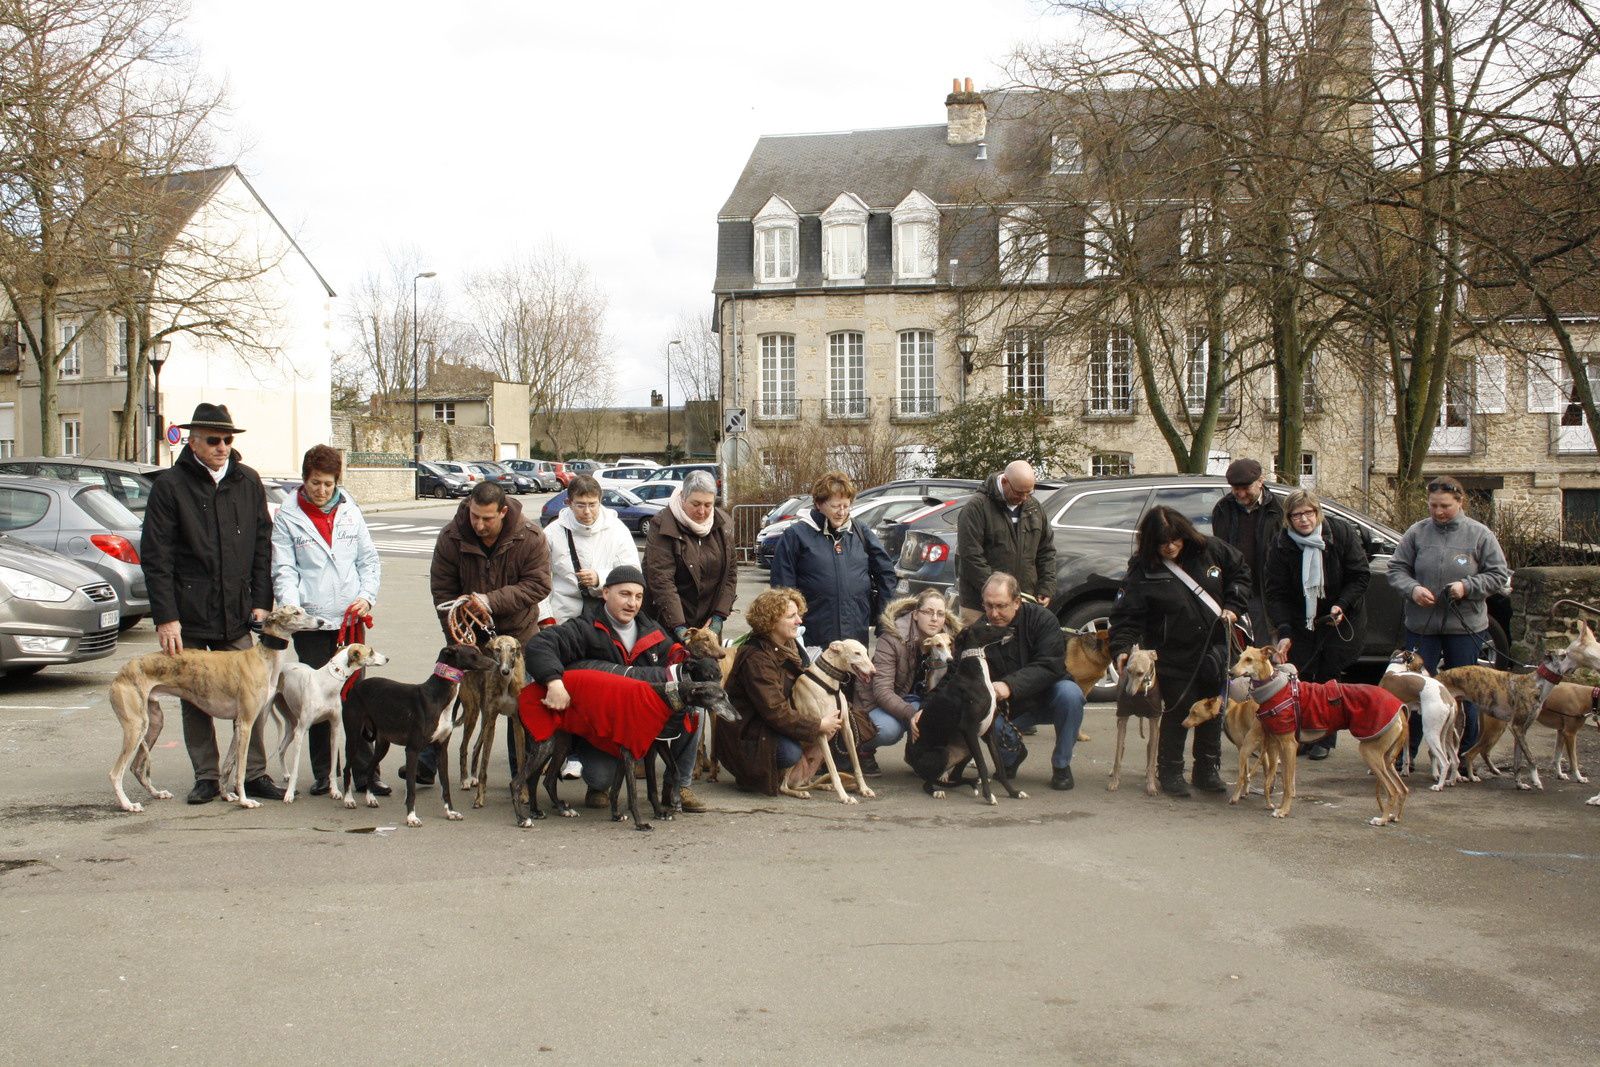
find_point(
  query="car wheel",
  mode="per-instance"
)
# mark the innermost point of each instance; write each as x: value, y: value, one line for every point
x: 441, y: 493
x: 127, y: 624
x: 1106, y: 691
x: 644, y: 527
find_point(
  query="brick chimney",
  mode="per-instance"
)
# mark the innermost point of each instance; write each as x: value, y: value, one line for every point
x: 968, y: 117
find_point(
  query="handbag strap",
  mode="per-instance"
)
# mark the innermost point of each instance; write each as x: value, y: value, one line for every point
x: 1194, y: 587
x: 576, y: 565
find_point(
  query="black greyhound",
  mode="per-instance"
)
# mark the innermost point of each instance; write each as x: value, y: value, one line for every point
x: 595, y: 690
x: 958, y: 716
x: 379, y: 712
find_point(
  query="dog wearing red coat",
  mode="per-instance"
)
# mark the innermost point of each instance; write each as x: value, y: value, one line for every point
x: 619, y: 715
x: 1292, y: 711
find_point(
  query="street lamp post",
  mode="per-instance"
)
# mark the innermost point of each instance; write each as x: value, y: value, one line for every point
x: 416, y: 430
x: 966, y: 345
x: 669, y: 397
x: 158, y: 356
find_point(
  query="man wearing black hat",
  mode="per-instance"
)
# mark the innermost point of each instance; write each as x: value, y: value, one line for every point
x: 613, y: 635
x: 206, y: 551
x: 1248, y: 518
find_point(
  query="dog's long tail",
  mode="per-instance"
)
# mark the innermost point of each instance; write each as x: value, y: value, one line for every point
x: 280, y: 709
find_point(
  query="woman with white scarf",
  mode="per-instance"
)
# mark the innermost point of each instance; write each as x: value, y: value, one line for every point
x: 1316, y: 583
x: 586, y: 542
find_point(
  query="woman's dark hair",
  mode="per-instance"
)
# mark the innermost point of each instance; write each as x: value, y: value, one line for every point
x: 1160, y: 525
x: 323, y: 460
x: 582, y: 485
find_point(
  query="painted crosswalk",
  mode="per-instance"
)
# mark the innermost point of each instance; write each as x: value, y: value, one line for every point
x: 404, y: 539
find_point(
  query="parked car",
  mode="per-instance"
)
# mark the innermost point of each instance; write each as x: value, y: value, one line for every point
x: 86, y: 524
x: 942, y: 488
x: 127, y: 481
x: 433, y: 480
x: 878, y: 515
x: 1094, y: 522
x: 633, y: 461
x: 622, y: 477
x: 52, y: 610
x: 583, y: 466
x: 278, y: 491
x: 635, y: 514
x: 788, y: 509
x: 654, y: 492
x: 679, y: 471
x: 509, y: 480
x: 541, y: 472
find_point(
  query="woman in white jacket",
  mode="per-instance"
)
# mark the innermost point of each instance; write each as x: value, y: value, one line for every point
x: 324, y: 561
x: 586, y: 542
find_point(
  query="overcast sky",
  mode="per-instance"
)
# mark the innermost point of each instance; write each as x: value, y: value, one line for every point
x: 476, y: 128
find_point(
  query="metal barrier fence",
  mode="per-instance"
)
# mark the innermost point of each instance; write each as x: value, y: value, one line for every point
x: 746, y: 524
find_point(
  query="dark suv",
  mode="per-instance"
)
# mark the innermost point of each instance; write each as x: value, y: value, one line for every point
x: 1094, y: 521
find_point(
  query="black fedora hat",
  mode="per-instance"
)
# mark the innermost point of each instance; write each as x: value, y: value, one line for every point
x: 211, y: 417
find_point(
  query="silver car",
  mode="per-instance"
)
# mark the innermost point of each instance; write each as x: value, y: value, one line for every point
x: 86, y: 524
x: 52, y: 610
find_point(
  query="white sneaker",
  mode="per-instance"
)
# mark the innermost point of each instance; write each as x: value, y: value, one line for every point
x: 571, y: 770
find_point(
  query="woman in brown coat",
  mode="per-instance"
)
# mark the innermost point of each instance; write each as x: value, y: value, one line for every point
x: 770, y: 736
x: 899, y: 680
x: 690, y: 573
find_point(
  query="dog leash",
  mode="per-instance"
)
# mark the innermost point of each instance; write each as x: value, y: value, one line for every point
x: 464, y: 618
x: 353, y: 631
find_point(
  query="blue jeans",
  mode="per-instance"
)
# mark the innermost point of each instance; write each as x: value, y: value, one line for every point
x: 1456, y: 650
x: 789, y: 753
x: 890, y: 729
x: 1063, y: 706
x: 683, y: 752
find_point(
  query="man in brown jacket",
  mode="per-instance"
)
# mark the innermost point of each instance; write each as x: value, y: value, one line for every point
x: 500, y: 558
x: 1003, y: 528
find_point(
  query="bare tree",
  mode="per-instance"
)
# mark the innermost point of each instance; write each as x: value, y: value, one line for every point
x: 697, y: 366
x: 98, y: 96
x: 381, y: 338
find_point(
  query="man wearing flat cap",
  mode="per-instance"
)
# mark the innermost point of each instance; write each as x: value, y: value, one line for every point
x: 1248, y: 518
x: 206, y: 551
x: 613, y: 634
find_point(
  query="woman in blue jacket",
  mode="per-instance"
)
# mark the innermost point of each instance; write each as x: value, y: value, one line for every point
x: 840, y: 568
x: 323, y: 560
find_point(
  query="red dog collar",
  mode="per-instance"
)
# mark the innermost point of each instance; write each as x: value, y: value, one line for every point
x: 1548, y: 675
x: 448, y: 673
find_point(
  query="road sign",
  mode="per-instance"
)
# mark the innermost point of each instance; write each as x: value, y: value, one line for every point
x: 174, y: 435
x: 734, y: 421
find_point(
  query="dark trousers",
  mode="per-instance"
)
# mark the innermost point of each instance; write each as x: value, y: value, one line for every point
x: 200, y: 732
x: 1207, y: 748
x: 1455, y: 650
x: 315, y: 648
x: 1313, y: 654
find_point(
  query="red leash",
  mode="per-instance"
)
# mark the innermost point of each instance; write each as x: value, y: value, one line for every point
x: 352, y: 631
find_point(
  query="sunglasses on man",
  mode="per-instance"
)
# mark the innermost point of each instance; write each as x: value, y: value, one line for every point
x: 215, y: 441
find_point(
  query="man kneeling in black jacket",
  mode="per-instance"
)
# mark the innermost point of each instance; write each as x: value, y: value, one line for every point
x: 1029, y: 672
x: 611, y: 635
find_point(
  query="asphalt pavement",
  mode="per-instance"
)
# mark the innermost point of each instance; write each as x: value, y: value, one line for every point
x: 1079, y: 927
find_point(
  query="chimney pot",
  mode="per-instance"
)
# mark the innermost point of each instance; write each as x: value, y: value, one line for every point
x: 955, y: 85
x: 968, y: 86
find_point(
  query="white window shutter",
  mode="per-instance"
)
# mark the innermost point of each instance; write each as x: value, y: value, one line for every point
x: 1546, y: 373
x: 1491, y: 384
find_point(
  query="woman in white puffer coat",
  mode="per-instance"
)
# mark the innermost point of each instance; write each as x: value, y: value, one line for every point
x: 586, y: 542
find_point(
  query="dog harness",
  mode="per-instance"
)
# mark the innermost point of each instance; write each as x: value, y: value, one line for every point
x: 610, y: 711
x: 1289, y: 706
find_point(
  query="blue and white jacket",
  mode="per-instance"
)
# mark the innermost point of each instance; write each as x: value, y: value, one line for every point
x: 321, y: 579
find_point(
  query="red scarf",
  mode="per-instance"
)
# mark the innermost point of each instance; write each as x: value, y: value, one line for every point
x: 323, y: 521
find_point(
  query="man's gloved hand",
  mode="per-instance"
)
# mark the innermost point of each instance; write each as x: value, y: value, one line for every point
x: 680, y: 634
x: 716, y: 624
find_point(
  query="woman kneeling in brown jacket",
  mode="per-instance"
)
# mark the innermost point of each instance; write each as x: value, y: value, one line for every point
x: 771, y: 735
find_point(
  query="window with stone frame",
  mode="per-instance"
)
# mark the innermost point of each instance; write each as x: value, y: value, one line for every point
x: 777, y: 376
x: 71, y: 435
x: 844, y: 240
x: 777, y: 240
x: 1110, y: 361
x: 1024, y: 247
x: 1024, y: 352
x: 915, y: 372
x: 72, y: 360
x: 119, y: 348
x: 444, y: 411
x: 1198, y: 367
x: 1111, y: 464
x: 916, y: 238
x: 1066, y: 154
x: 1099, y: 241
x: 847, y: 375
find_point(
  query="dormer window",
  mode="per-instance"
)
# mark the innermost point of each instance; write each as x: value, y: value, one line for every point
x: 916, y: 238
x: 1024, y: 247
x: 1099, y: 248
x: 844, y: 240
x: 1066, y: 154
x: 777, y: 228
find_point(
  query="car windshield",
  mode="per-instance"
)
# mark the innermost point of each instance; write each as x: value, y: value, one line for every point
x: 106, y: 509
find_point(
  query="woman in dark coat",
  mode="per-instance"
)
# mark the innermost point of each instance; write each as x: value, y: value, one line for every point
x: 1316, y: 570
x: 1156, y: 609
x: 771, y: 736
x: 690, y: 572
x: 839, y: 567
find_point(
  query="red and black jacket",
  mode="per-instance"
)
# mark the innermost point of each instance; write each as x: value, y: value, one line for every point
x: 588, y: 642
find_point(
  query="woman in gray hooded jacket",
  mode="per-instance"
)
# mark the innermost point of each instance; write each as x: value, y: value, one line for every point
x: 1446, y: 567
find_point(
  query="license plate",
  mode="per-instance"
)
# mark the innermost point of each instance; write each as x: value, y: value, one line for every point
x: 108, y: 619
